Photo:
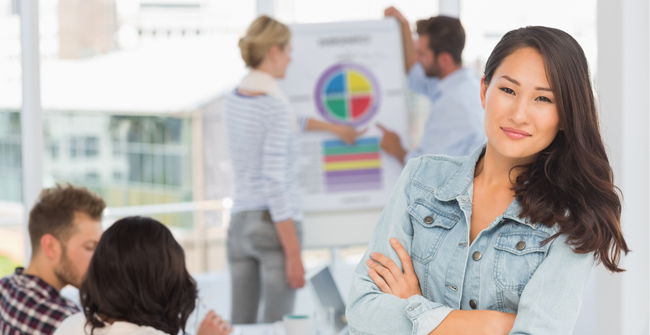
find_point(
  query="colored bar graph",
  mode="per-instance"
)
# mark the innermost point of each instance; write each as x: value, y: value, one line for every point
x: 349, y: 168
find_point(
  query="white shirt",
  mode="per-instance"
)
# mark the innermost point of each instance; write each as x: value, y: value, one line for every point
x: 75, y: 324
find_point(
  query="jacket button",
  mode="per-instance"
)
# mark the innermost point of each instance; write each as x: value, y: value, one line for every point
x: 428, y: 220
x: 476, y: 255
x: 472, y: 303
x: 521, y: 245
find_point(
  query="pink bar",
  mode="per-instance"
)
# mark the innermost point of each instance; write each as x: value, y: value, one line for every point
x: 353, y: 157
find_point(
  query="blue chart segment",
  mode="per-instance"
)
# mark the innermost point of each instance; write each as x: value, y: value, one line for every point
x: 350, y: 168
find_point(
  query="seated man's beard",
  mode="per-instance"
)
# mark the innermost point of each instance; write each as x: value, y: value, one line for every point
x: 65, y: 271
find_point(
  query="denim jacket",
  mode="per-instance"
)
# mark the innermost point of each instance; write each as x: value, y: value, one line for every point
x: 505, y: 269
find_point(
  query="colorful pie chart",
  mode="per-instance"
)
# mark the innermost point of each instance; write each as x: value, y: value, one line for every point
x: 347, y: 94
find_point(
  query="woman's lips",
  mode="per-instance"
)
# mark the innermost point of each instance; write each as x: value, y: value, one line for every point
x: 515, y: 134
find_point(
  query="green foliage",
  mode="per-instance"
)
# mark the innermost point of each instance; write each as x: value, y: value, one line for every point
x: 7, y: 266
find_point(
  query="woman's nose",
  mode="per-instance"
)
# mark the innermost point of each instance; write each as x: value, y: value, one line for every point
x: 519, y: 112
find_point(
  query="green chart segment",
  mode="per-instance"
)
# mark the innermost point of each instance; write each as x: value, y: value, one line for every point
x: 348, y: 95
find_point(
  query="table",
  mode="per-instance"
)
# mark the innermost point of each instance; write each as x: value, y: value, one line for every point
x: 257, y: 329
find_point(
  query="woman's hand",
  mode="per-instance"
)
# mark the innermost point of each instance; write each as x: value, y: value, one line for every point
x: 213, y: 324
x: 294, y: 271
x: 348, y: 134
x: 388, y: 276
x: 290, y: 242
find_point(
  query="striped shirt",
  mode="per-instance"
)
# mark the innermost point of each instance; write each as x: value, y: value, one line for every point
x: 264, y: 148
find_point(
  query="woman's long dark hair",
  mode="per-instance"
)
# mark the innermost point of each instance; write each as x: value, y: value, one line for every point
x: 571, y: 183
x: 138, y: 275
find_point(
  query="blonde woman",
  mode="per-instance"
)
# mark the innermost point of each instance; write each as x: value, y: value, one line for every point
x: 262, y: 131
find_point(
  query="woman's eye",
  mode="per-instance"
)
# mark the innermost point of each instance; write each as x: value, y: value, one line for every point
x: 507, y: 90
x: 545, y: 99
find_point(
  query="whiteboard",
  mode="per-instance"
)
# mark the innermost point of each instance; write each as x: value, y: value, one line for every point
x: 347, y: 73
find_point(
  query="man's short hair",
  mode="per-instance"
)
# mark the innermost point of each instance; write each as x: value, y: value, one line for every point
x: 54, y: 211
x: 446, y: 34
x: 421, y: 26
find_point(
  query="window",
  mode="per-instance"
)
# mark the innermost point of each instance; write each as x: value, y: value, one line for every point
x: 91, y: 146
x: 54, y: 149
x: 75, y: 147
x: 485, y: 22
x: 10, y: 157
x: 92, y: 178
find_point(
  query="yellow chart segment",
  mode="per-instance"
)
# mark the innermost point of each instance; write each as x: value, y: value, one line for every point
x: 357, y: 82
x: 352, y: 165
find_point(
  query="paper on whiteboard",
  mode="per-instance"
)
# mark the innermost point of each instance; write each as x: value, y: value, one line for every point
x: 348, y: 73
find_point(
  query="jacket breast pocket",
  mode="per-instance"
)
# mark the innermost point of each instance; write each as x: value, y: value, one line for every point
x: 518, y: 254
x: 430, y: 227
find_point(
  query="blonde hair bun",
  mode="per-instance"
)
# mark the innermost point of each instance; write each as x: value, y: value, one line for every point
x: 263, y: 34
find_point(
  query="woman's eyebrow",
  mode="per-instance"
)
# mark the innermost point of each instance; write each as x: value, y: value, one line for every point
x: 518, y: 84
x: 511, y: 80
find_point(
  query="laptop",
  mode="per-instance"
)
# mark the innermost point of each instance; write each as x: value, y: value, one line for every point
x: 328, y: 296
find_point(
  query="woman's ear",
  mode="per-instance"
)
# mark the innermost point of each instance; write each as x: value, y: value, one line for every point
x: 484, y: 87
x: 273, y: 53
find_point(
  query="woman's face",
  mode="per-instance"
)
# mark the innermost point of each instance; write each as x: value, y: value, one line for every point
x: 521, y: 117
x: 283, y: 59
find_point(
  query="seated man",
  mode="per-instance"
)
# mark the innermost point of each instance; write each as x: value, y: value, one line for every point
x: 64, y: 228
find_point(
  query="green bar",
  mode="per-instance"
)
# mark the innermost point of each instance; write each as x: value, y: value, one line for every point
x: 351, y: 150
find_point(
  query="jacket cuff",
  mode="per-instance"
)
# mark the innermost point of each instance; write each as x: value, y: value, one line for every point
x: 426, y: 315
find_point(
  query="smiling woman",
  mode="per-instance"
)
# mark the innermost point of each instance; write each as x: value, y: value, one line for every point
x: 502, y: 241
x: 567, y: 180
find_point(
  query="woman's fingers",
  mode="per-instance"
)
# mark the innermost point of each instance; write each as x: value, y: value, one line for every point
x: 225, y: 328
x: 379, y: 281
x: 403, y: 255
x: 382, y: 271
x: 362, y: 131
x: 210, y: 318
x: 387, y: 262
x: 223, y: 324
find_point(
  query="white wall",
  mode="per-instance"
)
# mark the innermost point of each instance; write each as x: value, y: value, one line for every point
x: 623, y: 90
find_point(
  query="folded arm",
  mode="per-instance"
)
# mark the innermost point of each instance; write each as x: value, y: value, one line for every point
x: 372, y: 311
x: 404, y: 284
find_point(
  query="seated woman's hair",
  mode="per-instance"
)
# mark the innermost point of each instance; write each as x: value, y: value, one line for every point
x: 138, y: 275
x: 571, y: 183
x: 263, y: 34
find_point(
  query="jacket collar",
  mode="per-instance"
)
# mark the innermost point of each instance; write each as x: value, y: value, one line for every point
x: 463, y: 178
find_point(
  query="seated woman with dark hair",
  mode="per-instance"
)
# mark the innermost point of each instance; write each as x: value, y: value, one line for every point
x: 137, y: 284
